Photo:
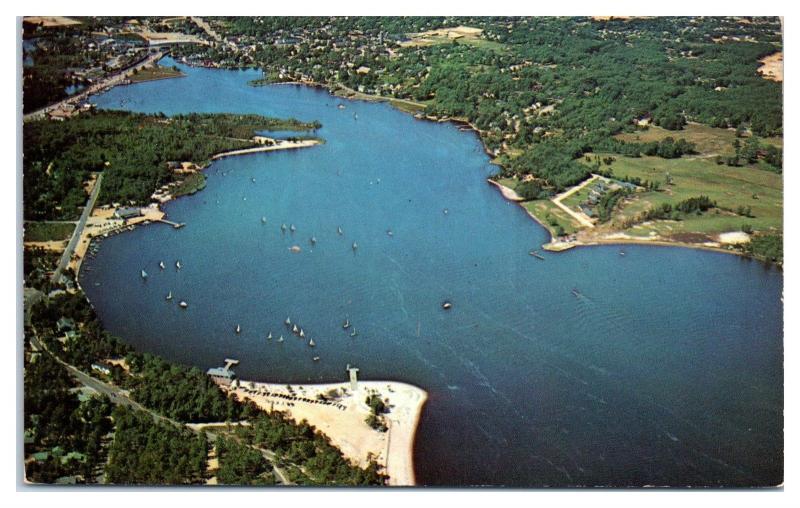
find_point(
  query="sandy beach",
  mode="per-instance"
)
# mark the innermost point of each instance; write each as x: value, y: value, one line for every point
x: 343, y: 421
x: 278, y: 145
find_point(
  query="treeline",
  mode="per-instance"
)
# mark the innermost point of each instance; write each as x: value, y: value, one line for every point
x: 145, y: 452
x: 241, y: 465
x: 667, y: 148
x: 551, y: 89
x: 181, y: 393
x: 301, y: 444
x: 768, y: 247
x: 132, y: 150
x: 64, y: 435
x: 696, y: 205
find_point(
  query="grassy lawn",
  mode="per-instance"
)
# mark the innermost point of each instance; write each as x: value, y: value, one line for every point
x: 730, y: 187
x: 192, y: 183
x: 709, y: 141
x: 48, y: 231
x: 156, y: 72
x: 550, y: 214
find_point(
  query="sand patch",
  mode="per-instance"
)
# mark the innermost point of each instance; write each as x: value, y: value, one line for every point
x: 772, y: 67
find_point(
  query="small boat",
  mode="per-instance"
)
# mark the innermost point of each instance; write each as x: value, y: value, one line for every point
x: 311, y: 343
x: 283, y: 228
x: 288, y: 321
x: 575, y: 292
x: 253, y: 179
x: 269, y: 336
x: 161, y: 264
x: 447, y: 305
x: 280, y: 339
x: 354, y: 332
x: 263, y: 220
x: 144, y: 274
x: 346, y: 324
x: 341, y: 106
x: 389, y: 232
x: 183, y: 304
x: 178, y: 265
x: 169, y: 296
x: 302, y: 333
x: 622, y: 253
x: 316, y: 358
x: 294, y: 328
x: 446, y: 211
x: 238, y: 329
x: 339, y: 230
x: 313, y: 240
x: 292, y: 228
x: 355, y: 246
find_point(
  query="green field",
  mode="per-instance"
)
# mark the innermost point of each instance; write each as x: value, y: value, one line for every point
x: 730, y: 187
x: 155, y: 72
x: 708, y: 141
x: 550, y: 214
x: 48, y: 231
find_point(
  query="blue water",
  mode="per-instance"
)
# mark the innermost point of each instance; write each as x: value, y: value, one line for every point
x: 666, y: 369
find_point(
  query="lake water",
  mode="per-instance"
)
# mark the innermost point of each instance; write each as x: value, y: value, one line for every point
x: 665, y: 369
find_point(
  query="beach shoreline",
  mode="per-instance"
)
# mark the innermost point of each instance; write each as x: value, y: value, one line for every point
x: 554, y: 245
x: 342, y: 418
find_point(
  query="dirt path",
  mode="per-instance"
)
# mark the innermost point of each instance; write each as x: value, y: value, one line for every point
x: 581, y: 218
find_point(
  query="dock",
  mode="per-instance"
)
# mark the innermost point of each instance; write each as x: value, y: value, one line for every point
x: 176, y: 225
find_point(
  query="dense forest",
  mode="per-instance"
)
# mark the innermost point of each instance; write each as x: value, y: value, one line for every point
x: 132, y: 150
x: 542, y: 91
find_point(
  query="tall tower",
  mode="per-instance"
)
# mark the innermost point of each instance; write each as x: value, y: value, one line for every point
x: 353, y: 377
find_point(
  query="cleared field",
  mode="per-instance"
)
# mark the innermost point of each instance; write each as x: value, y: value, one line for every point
x: 551, y: 215
x: 730, y: 187
x: 709, y: 141
x: 48, y: 231
x: 772, y: 67
x: 462, y: 34
x: 51, y: 21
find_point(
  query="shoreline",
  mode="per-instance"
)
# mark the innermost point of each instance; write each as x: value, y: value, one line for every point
x: 343, y: 420
x: 557, y: 246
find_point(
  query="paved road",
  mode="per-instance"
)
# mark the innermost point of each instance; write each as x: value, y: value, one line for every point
x: 119, y: 396
x: 76, y: 235
x: 110, y: 81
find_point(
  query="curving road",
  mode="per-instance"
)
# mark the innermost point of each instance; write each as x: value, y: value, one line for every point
x: 76, y: 234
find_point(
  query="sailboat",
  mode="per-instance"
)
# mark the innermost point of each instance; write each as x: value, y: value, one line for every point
x: 346, y: 324
x: 316, y: 358
x: 178, y: 265
x: 161, y: 264
x: 311, y: 342
x: 263, y: 220
x: 294, y: 329
x: 183, y: 304
x: 144, y: 274
x: 355, y: 246
x: 280, y: 339
x: 302, y: 333
x: 238, y: 329
x: 283, y: 228
x: 339, y: 230
x: 169, y: 296
x: 288, y: 321
x: 313, y: 240
x: 292, y: 228
x: 354, y: 332
x: 269, y: 336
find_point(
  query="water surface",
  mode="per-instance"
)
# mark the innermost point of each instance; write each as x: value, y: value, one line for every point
x: 665, y: 369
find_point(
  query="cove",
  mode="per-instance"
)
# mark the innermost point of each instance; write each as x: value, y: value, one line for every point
x: 666, y: 367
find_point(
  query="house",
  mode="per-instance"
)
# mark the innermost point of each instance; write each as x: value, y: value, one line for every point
x: 102, y: 368
x: 222, y: 376
x: 127, y: 212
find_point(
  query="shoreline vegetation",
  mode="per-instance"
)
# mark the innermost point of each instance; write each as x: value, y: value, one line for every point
x: 345, y: 422
x: 371, y: 448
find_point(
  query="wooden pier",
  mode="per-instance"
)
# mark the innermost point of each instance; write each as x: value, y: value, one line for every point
x: 176, y: 225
